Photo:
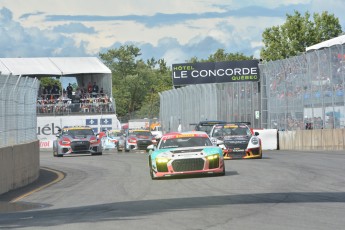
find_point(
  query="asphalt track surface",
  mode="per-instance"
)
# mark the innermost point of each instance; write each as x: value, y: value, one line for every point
x: 284, y: 190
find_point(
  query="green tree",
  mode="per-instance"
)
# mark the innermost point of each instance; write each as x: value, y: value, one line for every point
x: 160, y: 80
x: 136, y: 83
x: 121, y: 61
x: 49, y: 81
x: 45, y: 81
x: 297, y: 33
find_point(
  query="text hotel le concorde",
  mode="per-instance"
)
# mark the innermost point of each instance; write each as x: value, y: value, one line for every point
x: 215, y: 72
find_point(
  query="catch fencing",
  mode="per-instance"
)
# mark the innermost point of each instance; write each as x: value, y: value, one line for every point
x: 306, y: 91
x: 188, y: 105
x: 301, y: 92
x: 18, y: 122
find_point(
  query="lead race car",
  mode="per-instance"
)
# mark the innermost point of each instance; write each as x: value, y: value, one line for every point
x: 239, y: 141
x: 185, y: 153
x: 76, y: 140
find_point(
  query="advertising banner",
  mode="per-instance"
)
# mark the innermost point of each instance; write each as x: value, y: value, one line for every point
x: 48, y: 127
x: 215, y: 72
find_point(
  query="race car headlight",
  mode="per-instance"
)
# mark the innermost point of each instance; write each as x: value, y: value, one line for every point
x: 93, y: 140
x: 65, y: 141
x: 132, y: 140
x: 255, y: 141
x: 161, y: 160
x: 212, y: 157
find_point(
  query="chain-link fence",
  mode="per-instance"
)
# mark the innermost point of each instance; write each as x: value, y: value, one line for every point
x: 18, y: 122
x: 306, y: 91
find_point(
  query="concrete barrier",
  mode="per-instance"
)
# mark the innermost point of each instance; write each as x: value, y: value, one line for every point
x: 318, y: 139
x: 19, y: 165
x: 269, y: 138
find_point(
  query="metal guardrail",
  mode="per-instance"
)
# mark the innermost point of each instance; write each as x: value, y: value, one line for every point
x: 18, y: 120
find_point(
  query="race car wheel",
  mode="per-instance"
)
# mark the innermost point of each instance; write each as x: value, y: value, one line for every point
x: 222, y: 173
x: 260, y: 157
x: 118, y: 149
x: 54, y: 152
x: 152, y: 174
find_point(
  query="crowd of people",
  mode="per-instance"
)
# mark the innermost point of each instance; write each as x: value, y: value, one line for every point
x: 73, y: 100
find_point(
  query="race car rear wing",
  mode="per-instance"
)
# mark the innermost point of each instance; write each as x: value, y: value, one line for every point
x: 211, y: 123
x: 240, y: 123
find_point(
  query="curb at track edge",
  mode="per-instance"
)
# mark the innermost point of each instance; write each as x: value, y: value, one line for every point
x: 60, y: 176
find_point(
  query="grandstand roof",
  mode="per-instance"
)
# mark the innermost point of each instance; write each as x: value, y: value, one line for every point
x: 56, y: 66
x: 334, y: 41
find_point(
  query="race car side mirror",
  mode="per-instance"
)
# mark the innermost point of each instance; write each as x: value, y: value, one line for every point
x: 219, y: 142
x: 151, y: 147
x: 256, y: 133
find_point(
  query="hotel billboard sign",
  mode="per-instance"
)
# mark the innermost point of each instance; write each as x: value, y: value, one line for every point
x: 215, y: 72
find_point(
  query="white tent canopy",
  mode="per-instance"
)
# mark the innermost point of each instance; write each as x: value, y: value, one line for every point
x: 334, y: 41
x: 84, y: 69
x: 52, y: 66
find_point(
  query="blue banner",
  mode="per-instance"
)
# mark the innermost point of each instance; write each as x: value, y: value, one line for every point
x: 106, y: 121
x: 91, y: 121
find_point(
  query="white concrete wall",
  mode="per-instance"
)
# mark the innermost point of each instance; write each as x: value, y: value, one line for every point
x: 19, y: 166
x: 269, y: 138
x: 318, y: 139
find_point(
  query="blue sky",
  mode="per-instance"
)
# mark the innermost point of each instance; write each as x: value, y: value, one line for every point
x: 175, y: 30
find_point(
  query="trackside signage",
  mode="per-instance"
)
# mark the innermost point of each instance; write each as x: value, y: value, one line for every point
x: 215, y: 72
x: 48, y: 127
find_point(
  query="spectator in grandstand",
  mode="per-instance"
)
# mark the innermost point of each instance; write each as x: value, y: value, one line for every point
x: 89, y: 88
x: 95, y: 89
x: 48, y: 91
x: 101, y: 92
x: 78, y: 93
x: 56, y: 91
x: 83, y: 90
x: 45, y: 93
x: 69, y: 90
x: 308, y: 125
x: 318, y: 123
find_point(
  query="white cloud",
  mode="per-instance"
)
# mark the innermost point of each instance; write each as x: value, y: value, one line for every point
x: 200, y: 32
x: 175, y: 56
x: 336, y: 7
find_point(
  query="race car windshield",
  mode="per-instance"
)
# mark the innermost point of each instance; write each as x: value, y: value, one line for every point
x: 141, y: 133
x: 80, y: 132
x: 233, y: 131
x: 185, y: 142
x: 204, y: 128
x: 115, y: 134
